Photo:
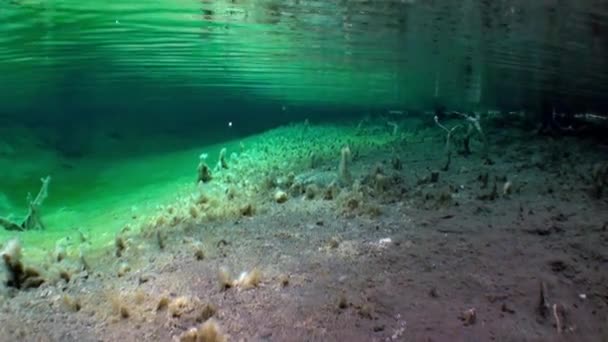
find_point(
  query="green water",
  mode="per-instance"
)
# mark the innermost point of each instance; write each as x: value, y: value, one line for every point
x: 100, y: 196
x: 131, y: 57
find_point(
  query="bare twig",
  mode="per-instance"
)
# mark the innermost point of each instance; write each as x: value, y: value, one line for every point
x: 543, y: 303
x: 32, y: 220
x: 9, y: 225
x: 558, y: 322
x: 475, y: 122
x: 449, y: 132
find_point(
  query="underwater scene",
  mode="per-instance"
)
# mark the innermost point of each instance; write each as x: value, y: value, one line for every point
x: 303, y: 170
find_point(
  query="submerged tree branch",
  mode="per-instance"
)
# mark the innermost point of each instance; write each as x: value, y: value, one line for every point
x: 32, y: 220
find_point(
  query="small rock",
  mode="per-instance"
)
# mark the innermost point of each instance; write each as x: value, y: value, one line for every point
x: 280, y: 196
x: 123, y: 269
x: 434, y: 176
x: 334, y: 242
x: 284, y: 280
x: 384, y: 242
x: 469, y: 317
x: 342, y: 302
x: 505, y: 308
x: 378, y: 328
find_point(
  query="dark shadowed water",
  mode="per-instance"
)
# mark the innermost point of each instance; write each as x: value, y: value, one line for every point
x: 195, y: 61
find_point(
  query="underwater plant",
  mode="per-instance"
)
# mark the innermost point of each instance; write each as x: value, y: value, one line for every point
x: 203, y: 171
x: 207, y: 332
x: 343, y: 168
x: 19, y: 276
x: 221, y: 161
